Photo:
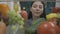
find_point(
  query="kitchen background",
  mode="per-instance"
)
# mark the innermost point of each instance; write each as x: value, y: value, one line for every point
x: 49, y: 4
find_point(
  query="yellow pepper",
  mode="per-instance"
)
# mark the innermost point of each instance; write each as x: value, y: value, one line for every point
x: 15, y: 6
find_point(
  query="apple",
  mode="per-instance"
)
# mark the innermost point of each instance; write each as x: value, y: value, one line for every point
x: 24, y: 14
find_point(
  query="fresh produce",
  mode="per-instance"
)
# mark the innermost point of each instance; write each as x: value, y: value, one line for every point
x: 13, y: 28
x: 15, y: 18
x: 58, y: 15
x: 48, y: 28
x: 32, y: 29
x: 56, y: 10
x: 24, y: 15
x: 51, y: 15
x: 4, y: 8
x: 58, y: 19
x: 15, y: 6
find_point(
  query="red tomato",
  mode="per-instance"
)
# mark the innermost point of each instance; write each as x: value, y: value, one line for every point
x: 48, y: 27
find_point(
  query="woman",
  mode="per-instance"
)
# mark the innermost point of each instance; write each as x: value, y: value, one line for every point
x: 36, y: 15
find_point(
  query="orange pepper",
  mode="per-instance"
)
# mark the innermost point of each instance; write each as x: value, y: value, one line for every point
x: 4, y: 8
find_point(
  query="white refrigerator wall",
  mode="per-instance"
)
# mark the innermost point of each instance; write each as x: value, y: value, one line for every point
x: 57, y: 3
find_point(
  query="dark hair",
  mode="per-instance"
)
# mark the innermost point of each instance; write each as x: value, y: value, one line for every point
x: 42, y: 15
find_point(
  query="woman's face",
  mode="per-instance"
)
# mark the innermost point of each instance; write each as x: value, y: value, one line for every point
x: 37, y: 8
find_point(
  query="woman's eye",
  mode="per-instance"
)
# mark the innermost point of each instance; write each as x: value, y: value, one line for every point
x: 34, y: 6
x: 40, y: 7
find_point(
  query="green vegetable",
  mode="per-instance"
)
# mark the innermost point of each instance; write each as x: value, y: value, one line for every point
x: 15, y: 18
x: 13, y: 28
x: 58, y: 15
x: 33, y: 27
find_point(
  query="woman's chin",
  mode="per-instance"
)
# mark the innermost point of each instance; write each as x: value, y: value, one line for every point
x: 37, y: 15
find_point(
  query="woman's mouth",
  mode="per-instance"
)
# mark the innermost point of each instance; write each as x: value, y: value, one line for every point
x: 37, y: 12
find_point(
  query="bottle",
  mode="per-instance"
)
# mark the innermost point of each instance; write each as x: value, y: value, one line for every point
x: 2, y: 25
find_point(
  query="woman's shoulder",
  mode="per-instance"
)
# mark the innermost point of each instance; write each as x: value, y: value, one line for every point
x: 29, y: 20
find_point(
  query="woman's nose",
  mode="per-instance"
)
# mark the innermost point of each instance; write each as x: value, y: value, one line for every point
x: 37, y: 9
